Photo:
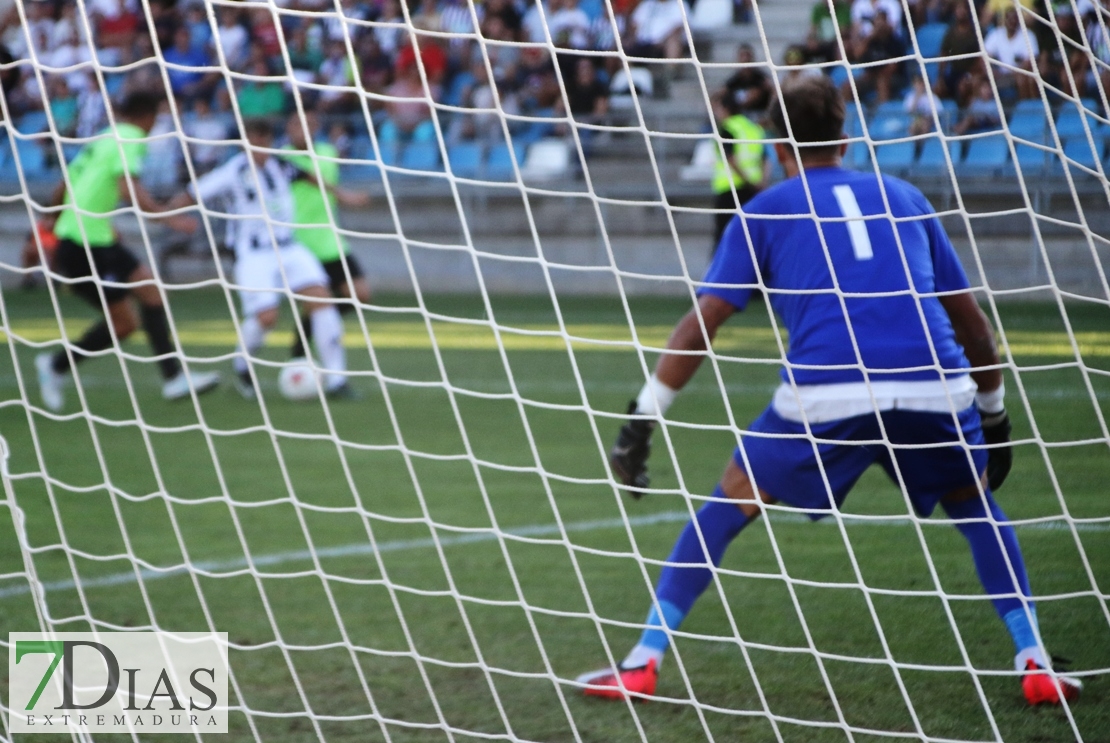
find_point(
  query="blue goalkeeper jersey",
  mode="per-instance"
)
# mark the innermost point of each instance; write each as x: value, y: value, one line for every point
x: 861, y: 270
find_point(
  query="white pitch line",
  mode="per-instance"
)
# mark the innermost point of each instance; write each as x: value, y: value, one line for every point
x: 535, y: 530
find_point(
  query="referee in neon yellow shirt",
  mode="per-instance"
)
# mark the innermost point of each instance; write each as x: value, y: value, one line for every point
x: 316, y: 201
x: 100, y: 269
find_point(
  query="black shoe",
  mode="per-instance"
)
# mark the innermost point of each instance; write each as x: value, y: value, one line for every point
x: 343, y: 392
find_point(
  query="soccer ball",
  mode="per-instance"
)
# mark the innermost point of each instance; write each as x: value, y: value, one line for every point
x: 299, y: 381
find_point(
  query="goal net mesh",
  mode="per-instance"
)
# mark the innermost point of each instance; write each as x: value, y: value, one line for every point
x: 441, y: 558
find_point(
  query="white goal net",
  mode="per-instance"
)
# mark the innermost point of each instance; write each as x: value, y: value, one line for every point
x: 529, y: 191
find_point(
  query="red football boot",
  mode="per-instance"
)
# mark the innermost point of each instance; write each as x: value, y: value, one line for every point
x: 1041, y: 687
x: 618, y: 684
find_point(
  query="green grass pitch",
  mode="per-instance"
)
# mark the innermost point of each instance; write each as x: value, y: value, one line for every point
x: 471, y: 557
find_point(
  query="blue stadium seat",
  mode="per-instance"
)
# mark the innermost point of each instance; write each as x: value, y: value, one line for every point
x: 985, y: 156
x: 931, y: 160
x: 839, y: 75
x: 499, y: 165
x: 32, y: 122
x: 421, y: 156
x: 592, y: 8
x: 895, y: 157
x: 852, y: 120
x: 30, y: 157
x: 1031, y: 127
x: 1080, y: 151
x: 949, y: 113
x: 858, y: 156
x: 465, y: 159
x: 360, y: 173
x: 890, y: 108
x: 459, y: 83
x: 1033, y: 106
x: 1071, y: 123
x: 929, y: 38
x: 889, y: 124
x: 1033, y: 161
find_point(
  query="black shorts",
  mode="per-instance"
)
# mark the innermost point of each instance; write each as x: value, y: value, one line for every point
x: 113, y: 263
x: 337, y: 275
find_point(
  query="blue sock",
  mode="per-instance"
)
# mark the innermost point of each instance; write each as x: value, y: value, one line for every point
x: 720, y: 520
x: 991, y: 564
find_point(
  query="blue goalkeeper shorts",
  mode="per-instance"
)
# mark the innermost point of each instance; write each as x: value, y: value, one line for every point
x: 923, y: 453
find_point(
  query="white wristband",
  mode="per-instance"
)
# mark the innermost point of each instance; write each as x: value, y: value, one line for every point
x: 655, y: 398
x: 991, y: 402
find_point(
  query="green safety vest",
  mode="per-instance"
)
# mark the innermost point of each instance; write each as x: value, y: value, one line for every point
x: 743, y: 142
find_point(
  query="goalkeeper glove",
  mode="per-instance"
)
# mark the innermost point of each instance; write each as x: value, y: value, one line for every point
x: 628, y: 457
x: 1000, y: 457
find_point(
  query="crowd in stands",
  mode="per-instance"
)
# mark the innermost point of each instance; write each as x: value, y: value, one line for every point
x: 965, y: 45
x: 362, y: 63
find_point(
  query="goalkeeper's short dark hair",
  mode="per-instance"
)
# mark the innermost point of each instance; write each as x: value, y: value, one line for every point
x: 815, y: 110
x: 140, y: 103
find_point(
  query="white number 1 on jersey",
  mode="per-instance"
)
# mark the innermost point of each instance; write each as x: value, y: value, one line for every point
x: 857, y: 228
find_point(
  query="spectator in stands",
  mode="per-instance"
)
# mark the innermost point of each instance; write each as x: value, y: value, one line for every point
x: 92, y: 114
x: 115, y: 25
x: 1063, y: 58
x: 569, y: 25
x: 794, y: 60
x: 533, y: 22
x: 657, y: 29
x: 992, y: 12
x: 63, y: 105
x: 881, y: 45
x: 604, y: 32
x: 259, y: 95
x: 864, y: 12
x: 587, y: 98
x: 484, y: 124
x: 1012, y: 51
x: 983, y: 113
x: 337, y: 74
x: 390, y: 30
x: 205, y: 129
x: 504, y: 58
x: 188, y: 79
x: 199, y: 30
x: 829, y: 26
x: 1090, y: 77
x: 923, y: 106
x: 507, y: 14
x: 375, y: 66
x: 743, y: 172
x: 818, y: 52
x: 955, y: 77
x: 749, y: 89
x: 305, y: 57
x: 264, y: 33
x: 432, y: 58
x: 409, y: 118
x: 232, y: 37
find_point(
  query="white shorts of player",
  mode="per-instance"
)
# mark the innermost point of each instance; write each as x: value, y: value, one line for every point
x: 824, y: 403
x: 263, y: 275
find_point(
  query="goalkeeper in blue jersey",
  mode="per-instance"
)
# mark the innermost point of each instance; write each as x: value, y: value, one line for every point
x: 887, y: 344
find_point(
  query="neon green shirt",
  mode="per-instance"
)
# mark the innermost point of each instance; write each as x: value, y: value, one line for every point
x: 94, y: 184
x: 317, y: 230
x: 748, y: 149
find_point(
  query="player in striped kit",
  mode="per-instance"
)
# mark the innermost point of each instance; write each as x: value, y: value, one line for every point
x: 269, y: 262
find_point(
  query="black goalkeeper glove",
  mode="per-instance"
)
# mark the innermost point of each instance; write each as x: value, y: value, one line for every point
x: 628, y: 457
x: 996, y: 432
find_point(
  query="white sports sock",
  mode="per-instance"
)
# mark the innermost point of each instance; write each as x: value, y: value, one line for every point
x: 640, y: 656
x: 1030, y: 654
x: 327, y: 334
x: 253, y: 336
